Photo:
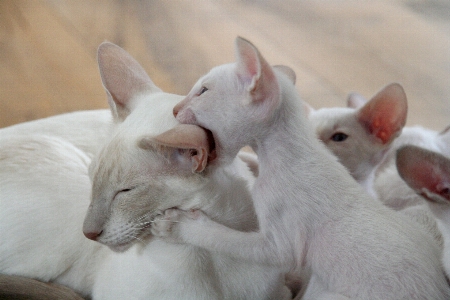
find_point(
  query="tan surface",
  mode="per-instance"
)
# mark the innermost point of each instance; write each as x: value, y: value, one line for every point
x: 48, y: 48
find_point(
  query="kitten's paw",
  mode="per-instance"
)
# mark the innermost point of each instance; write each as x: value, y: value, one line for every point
x: 164, y: 223
x: 174, y: 224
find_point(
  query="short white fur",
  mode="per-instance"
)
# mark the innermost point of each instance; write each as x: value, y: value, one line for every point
x: 312, y: 215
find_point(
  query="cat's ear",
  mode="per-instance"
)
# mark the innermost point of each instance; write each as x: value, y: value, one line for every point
x: 426, y: 172
x: 257, y: 76
x: 385, y: 114
x: 287, y: 71
x: 123, y: 78
x: 188, y: 146
x: 355, y: 100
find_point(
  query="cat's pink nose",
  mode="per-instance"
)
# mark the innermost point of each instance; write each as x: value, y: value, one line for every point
x: 92, y: 235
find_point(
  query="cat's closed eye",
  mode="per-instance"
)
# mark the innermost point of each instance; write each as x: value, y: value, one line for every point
x: 123, y: 191
x: 339, y: 137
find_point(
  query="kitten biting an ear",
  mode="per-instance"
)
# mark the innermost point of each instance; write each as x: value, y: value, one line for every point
x: 313, y: 217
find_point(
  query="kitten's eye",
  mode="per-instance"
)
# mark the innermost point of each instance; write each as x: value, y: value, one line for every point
x: 339, y: 137
x: 202, y: 90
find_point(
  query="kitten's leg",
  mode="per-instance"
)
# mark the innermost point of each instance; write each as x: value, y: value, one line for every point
x: 195, y: 228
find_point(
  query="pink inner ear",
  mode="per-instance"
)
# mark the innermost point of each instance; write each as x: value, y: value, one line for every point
x: 385, y: 114
x: 122, y: 76
x: 421, y: 169
x: 188, y: 137
x: 263, y: 86
x: 248, y: 65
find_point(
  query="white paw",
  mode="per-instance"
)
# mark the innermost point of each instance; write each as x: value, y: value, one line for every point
x: 172, y: 222
x: 164, y: 224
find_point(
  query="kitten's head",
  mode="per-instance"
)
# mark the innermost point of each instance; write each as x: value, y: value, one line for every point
x: 151, y: 163
x: 360, y: 134
x: 235, y: 101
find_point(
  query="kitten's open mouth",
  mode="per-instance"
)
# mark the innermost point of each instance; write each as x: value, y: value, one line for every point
x: 212, y: 145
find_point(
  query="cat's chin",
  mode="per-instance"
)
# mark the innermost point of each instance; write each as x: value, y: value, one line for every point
x: 143, y: 238
x: 121, y: 247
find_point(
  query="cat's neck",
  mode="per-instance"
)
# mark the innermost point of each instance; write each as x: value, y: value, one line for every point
x: 228, y: 198
x: 294, y: 165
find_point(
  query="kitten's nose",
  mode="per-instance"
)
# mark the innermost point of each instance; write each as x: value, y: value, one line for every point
x: 92, y: 235
x: 177, y: 109
x: 180, y: 105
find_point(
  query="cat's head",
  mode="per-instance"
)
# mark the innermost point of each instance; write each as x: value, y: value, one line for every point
x: 236, y: 101
x: 426, y: 172
x: 360, y: 133
x: 149, y: 164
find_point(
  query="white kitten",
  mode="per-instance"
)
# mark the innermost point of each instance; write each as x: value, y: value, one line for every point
x: 360, y: 134
x: 312, y: 215
x: 390, y: 188
x: 144, y: 169
x: 428, y: 174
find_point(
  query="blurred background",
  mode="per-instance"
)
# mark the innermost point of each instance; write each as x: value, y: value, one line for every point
x: 48, y: 49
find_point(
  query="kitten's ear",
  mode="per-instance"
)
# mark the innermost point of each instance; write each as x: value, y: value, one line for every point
x: 355, y: 100
x: 123, y: 78
x: 287, y: 71
x: 385, y: 114
x: 257, y: 75
x: 251, y: 160
x: 186, y: 145
x: 426, y: 172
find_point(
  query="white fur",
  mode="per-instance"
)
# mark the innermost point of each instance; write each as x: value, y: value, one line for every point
x: 312, y: 215
x: 45, y: 186
x: 364, y: 154
x: 365, y: 130
x: 390, y: 188
x: 46, y: 190
x: 428, y: 174
x: 132, y: 183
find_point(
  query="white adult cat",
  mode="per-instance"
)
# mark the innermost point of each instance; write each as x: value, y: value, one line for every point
x: 312, y: 214
x: 140, y: 172
x: 428, y: 173
x: 44, y: 187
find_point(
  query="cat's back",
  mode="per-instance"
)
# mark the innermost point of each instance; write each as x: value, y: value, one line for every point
x: 384, y: 245
x: 86, y: 130
x: 43, y: 181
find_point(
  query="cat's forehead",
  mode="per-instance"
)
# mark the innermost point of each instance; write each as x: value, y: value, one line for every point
x: 330, y: 117
x: 152, y: 115
x: 217, y: 73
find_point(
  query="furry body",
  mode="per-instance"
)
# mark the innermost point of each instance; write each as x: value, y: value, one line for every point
x: 46, y: 190
x: 428, y: 174
x: 312, y: 215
